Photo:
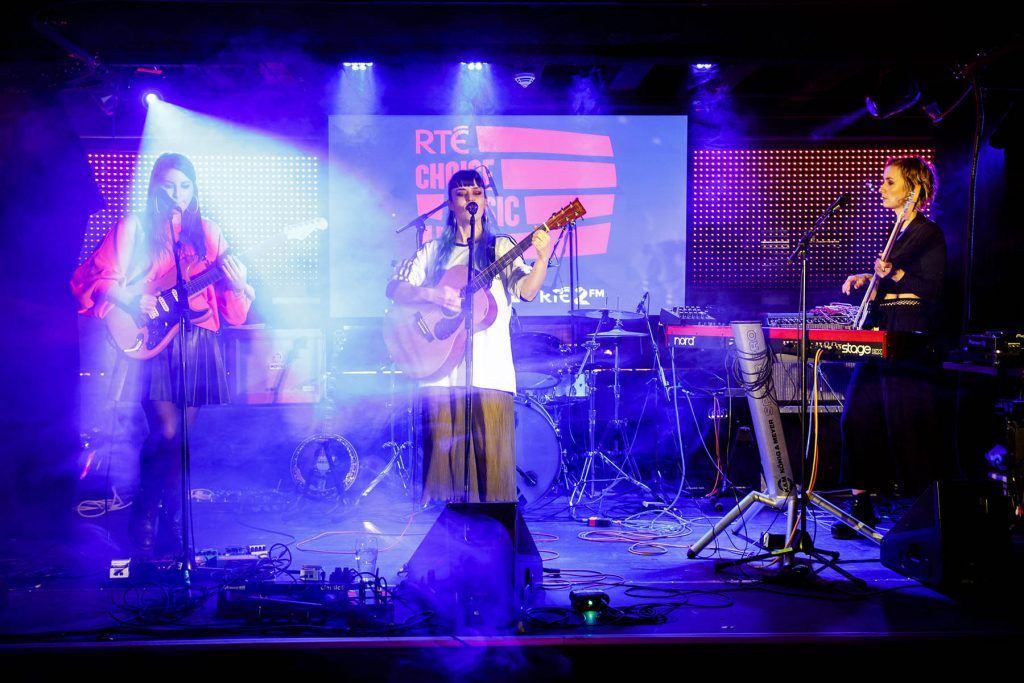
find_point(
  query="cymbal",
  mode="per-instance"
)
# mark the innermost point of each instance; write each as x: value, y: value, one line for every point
x: 616, y: 333
x: 600, y: 313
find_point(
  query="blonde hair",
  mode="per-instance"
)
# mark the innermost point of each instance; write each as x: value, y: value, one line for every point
x: 918, y: 173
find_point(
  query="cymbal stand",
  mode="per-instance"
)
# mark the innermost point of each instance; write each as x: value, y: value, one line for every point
x: 396, y: 462
x: 588, y: 475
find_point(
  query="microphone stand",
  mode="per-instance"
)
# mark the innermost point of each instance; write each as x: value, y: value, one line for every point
x: 420, y: 223
x: 188, y: 559
x: 800, y: 539
x: 467, y: 311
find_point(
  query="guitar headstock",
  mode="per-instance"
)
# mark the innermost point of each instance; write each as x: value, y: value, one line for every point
x: 300, y: 231
x: 911, y: 201
x: 567, y: 214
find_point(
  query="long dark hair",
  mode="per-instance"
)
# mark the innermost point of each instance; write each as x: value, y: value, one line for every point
x: 159, y: 206
x: 483, y: 245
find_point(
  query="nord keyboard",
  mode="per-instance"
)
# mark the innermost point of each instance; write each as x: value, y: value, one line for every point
x: 837, y: 344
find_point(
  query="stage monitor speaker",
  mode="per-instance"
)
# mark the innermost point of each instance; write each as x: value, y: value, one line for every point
x: 271, y: 367
x: 476, y: 567
x: 955, y: 537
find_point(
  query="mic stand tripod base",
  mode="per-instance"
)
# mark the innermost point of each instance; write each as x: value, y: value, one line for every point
x: 777, y: 503
x: 860, y: 527
x: 394, y: 463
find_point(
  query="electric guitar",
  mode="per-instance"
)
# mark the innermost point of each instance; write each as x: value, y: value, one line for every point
x: 427, y: 341
x: 140, y: 336
x: 867, y: 303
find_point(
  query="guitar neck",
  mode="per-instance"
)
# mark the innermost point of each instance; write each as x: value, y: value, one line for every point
x: 208, y: 277
x: 869, y: 291
x: 485, y: 276
x: 293, y: 232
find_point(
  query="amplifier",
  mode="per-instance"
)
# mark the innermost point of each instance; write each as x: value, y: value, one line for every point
x: 275, y: 366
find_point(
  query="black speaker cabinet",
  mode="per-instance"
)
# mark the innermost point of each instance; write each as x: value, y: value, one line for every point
x: 476, y: 566
x: 954, y: 538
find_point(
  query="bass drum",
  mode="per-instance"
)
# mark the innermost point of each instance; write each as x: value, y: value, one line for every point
x: 538, y: 450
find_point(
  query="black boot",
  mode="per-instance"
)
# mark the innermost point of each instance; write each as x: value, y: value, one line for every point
x: 142, y: 523
x: 863, y: 511
x: 168, y: 537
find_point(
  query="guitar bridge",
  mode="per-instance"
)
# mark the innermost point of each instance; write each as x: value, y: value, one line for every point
x: 424, y: 329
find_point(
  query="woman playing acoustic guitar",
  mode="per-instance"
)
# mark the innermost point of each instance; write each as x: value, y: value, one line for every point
x: 492, y: 474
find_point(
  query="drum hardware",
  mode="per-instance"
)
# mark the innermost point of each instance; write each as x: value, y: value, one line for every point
x: 605, y: 314
x: 539, y: 453
x: 398, y: 450
x: 325, y: 465
x: 588, y: 475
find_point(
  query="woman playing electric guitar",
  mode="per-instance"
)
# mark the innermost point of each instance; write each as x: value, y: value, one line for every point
x: 888, y: 424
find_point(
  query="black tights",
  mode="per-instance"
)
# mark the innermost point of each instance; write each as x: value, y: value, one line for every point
x: 160, y: 457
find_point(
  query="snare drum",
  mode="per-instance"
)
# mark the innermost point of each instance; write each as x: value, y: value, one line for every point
x: 538, y: 450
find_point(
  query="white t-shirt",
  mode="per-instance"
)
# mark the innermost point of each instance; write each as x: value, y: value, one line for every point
x: 492, y: 347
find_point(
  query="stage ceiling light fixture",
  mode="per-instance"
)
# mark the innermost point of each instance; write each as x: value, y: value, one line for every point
x: 150, y: 97
x: 702, y: 73
x: 895, y: 93
x: 357, y: 66
x: 941, y: 98
x: 474, y: 66
x: 525, y: 78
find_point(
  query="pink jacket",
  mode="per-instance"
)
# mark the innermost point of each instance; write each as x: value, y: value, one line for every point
x: 112, y: 263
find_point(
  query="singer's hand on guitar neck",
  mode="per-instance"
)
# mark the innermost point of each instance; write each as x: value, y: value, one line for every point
x: 235, y: 272
x: 541, y: 241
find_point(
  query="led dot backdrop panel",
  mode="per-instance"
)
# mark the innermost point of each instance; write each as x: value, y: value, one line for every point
x: 252, y: 198
x: 749, y: 207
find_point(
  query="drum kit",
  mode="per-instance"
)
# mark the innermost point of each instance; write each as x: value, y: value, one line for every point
x: 556, y: 380
x: 557, y: 415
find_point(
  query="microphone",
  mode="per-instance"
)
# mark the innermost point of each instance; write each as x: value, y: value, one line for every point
x: 490, y: 180
x: 640, y: 306
x: 472, y: 207
x: 842, y: 200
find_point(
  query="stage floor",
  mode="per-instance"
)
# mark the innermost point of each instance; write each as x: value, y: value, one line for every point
x: 58, y: 594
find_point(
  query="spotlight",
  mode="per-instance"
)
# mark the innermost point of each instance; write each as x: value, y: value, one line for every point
x: 702, y: 73
x: 940, y: 99
x: 896, y: 92
x: 357, y: 66
x: 525, y: 79
x: 474, y: 66
x: 151, y: 96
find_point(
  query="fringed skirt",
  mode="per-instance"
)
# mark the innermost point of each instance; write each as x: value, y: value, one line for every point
x: 492, y: 457
x: 157, y: 379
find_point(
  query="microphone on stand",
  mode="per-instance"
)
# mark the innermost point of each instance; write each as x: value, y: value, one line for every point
x: 842, y: 200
